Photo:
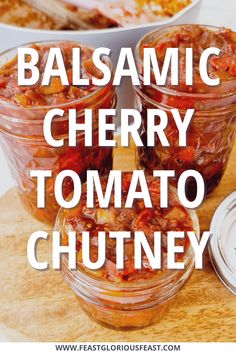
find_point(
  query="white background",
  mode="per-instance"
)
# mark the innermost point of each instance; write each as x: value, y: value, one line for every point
x: 209, y: 12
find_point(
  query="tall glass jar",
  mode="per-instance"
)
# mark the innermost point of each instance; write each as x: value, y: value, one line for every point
x: 26, y: 149
x: 211, y: 134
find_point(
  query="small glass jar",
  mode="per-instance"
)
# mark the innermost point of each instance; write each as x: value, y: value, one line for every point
x: 210, y: 136
x: 26, y: 149
x: 121, y: 303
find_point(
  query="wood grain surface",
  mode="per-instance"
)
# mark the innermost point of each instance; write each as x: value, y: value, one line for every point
x: 39, y: 306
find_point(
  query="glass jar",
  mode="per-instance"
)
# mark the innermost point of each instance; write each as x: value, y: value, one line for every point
x: 127, y: 298
x: 26, y: 149
x: 210, y: 136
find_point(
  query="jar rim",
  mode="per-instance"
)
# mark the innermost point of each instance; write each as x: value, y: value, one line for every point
x: 61, y: 105
x: 171, y: 91
x: 222, y: 227
x: 218, y: 111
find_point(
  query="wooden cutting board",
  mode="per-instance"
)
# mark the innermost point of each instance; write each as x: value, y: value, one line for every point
x: 39, y: 306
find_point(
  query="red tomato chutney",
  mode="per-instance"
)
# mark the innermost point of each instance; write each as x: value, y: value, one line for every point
x: 128, y: 297
x: 212, y: 131
x: 22, y: 112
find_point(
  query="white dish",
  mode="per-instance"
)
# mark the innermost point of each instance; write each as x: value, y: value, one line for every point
x: 113, y: 38
x: 164, y: 22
